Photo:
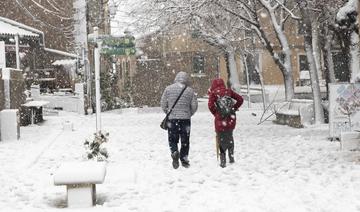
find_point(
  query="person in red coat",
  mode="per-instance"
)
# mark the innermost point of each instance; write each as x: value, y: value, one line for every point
x: 224, y: 125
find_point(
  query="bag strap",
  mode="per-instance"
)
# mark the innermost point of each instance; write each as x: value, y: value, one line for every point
x: 167, y: 115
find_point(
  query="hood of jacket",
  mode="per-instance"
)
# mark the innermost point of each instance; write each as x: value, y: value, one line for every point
x: 182, y: 77
x: 217, y: 84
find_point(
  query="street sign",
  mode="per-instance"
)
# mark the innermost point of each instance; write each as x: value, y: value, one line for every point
x: 118, y: 45
x: 118, y: 50
x: 124, y: 42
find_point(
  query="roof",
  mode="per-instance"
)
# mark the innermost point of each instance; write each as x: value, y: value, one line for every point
x: 64, y: 62
x: 59, y: 52
x: 10, y: 27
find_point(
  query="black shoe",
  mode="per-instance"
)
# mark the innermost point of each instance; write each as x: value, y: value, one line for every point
x: 231, y: 160
x: 185, y: 163
x: 175, y: 156
x: 231, y: 156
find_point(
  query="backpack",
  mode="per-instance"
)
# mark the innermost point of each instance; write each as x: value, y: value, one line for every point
x: 224, y: 105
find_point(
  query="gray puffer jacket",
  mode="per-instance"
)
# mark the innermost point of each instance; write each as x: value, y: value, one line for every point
x: 187, y: 104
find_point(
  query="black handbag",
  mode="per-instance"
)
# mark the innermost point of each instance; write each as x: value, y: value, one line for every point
x: 165, y: 123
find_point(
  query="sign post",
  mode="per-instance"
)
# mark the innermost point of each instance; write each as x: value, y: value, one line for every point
x: 108, y: 45
x: 97, y: 81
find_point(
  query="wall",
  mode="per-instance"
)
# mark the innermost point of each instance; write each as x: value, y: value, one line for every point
x: 58, y: 31
x: 167, y: 54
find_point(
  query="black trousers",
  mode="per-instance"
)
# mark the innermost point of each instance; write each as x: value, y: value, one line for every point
x: 226, y: 142
x: 179, y: 129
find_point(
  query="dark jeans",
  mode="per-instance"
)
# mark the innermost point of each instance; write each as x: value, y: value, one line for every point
x: 226, y: 142
x: 179, y: 128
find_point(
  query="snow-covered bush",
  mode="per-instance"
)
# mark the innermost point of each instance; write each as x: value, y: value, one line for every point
x: 95, y: 149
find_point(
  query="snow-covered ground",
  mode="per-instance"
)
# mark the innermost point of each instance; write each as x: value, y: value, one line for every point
x: 277, y: 168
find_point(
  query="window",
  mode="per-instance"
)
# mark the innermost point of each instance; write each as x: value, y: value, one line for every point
x: 341, y: 68
x: 123, y: 67
x: 303, y: 63
x: 195, y: 33
x: 128, y: 65
x: 120, y: 70
x: 301, y: 28
x: 198, y: 63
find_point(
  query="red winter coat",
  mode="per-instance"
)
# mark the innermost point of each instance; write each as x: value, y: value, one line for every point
x: 217, y: 90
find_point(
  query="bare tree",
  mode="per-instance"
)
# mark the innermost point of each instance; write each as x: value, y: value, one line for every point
x: 308, y: 42
x: 203, y: 18
x: 279, y: 12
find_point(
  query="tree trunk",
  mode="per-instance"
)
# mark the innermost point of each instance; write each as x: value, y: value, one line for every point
x: 232, y: 69
x: 354, y: 53
x: 287, y: 72
x: 318, y: 110
x: 316, y: 48
x: 329, y: 59
x: 329, y: 71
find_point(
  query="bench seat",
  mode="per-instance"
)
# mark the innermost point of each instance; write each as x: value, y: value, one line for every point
x: 294, y: 113
x: 80, y: 179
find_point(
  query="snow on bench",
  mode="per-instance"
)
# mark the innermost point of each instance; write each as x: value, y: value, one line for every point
x: 80, y: 179
x: 295, y: 113
x: 350, y: 141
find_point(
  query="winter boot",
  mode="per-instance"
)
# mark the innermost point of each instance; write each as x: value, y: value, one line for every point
x: 231, y: 156
x: 222, y: 160
x: 175, y: 156
x: 185, y: 163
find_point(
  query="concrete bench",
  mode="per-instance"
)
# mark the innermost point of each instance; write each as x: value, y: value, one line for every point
x: 80, y: 179
x: 350, y: 141
x: 295, y: 113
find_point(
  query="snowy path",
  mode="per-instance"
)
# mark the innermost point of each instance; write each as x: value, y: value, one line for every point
x: 277, y: 168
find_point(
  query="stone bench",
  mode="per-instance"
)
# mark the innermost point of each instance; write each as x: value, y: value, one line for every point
x: 350, y: 141
x: 295, y: 113
x: 80, y: 179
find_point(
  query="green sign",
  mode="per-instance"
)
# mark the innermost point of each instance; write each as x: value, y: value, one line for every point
x: 118, y: 51
x: 126, y: 41
x: 118, y: 45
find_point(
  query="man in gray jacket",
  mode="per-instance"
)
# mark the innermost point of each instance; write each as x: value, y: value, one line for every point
x: 180, y: 124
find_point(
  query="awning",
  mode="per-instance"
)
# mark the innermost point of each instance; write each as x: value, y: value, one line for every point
x: 12, y: 28
x: 64, y: 62
x: 59, y: 52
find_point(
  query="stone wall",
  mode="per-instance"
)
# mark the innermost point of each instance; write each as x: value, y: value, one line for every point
x: 17, y: 88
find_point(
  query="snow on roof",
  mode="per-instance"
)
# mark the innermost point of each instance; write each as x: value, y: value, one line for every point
x: 65, y: 62
x: 55, y: 51
x: 10, y: 27
x: 349, y: 7
x: 35, y: 104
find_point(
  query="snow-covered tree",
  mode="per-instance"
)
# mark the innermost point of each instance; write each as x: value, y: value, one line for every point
x: 307, y: 16
x: 278, y: 13
x: 203, y: 18
x: 346, y: 19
